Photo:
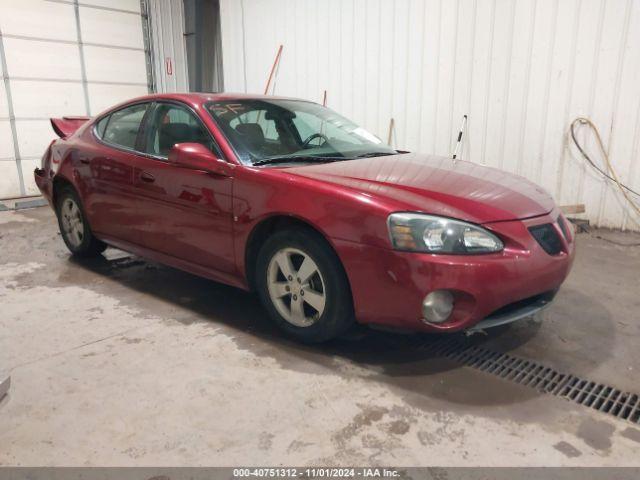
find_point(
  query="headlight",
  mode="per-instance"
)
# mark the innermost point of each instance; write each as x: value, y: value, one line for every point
x: 427, y: 233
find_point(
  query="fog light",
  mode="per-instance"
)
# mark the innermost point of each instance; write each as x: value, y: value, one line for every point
x: 437, y: 306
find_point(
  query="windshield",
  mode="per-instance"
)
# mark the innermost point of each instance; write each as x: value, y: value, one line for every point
x: 261, y: 130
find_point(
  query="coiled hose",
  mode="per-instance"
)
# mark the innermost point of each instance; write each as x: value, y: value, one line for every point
x: 614, y: 176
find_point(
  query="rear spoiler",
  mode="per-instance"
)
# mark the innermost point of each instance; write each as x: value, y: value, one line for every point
x: 66, y: 126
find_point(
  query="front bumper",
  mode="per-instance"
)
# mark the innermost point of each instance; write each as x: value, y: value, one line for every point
x: 388, y: 286
x: 514, y: 312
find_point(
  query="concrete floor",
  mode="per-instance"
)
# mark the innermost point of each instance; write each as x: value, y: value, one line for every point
x: 122, y: 362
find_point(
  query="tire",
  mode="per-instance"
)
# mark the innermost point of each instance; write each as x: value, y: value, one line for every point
x: 74, y: 227
x: 319, y: 321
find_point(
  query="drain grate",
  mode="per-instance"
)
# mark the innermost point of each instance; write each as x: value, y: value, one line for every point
x: 529, y: 373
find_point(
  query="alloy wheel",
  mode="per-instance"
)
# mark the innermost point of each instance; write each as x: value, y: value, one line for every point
x: 296, y: 287
x: 72, y: 223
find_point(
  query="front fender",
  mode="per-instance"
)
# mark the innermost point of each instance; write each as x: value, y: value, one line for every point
x: 335, y: 212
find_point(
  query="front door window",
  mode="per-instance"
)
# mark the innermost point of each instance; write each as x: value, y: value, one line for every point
x: 170, y: 124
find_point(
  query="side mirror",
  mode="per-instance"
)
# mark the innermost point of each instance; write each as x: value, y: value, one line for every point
x: 196, y: 156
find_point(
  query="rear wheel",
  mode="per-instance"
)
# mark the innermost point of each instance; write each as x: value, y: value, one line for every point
x: 74, y: 227
x: 303, y: 286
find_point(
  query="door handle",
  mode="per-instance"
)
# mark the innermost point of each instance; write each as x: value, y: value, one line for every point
x: 147, y: 177
x: 86, y: 161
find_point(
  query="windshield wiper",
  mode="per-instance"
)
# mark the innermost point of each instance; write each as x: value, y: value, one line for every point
x: 297, y: 158
x: 373, y: 154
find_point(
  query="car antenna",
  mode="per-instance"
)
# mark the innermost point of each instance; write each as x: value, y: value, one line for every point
x: 459, y: 142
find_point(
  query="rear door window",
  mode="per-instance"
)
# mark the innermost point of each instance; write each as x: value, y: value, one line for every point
x: 121, y: 127
x: 101, y: 125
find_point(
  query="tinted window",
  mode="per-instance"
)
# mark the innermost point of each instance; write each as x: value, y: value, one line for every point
x: 122, y: 127
x: 170, y: 124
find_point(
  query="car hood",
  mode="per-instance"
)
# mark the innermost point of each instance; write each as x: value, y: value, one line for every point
x: 437, y: 185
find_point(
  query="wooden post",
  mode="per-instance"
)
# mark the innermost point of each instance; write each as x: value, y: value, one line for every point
x: 392, y: 125
x: 572, y: 209
x: 273, y: 69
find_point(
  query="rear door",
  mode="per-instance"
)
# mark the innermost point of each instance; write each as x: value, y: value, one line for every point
x: 109, y: 169
x: 192, y: 210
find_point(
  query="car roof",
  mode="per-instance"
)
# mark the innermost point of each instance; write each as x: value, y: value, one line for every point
x: 203, y: 97
x: 194, y: 99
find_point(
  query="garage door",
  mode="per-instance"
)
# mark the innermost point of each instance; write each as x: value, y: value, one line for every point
x: 61, y: 58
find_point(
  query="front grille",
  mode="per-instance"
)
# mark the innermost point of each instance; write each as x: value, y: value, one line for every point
x: 547, y: 237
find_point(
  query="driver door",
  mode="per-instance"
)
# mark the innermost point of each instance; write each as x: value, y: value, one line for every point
x: 192, y: 210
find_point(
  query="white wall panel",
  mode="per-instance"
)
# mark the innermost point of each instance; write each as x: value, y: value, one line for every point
x: 51, y: 74
x: 4, y: 107
x: 9, y: 180
x: 115, y: 65
x: 619, y: 63
x: 33, y: 137
x: 128, y: 5
x: 111, y: 27
x: 54, y: 99
x: 521, y: 70
x: 37, y: 59
x: 35, y: 18
x: 6, y: 140
x: 231, y: 17
x: 105, y: 96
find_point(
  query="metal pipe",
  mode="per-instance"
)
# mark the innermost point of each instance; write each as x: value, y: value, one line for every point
x: 459, y: 142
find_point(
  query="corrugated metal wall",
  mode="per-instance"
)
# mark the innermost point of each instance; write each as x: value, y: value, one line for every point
x: 166, y: 24
x: 61, y: 57
x: 186, y: 46
x: 521, y: 70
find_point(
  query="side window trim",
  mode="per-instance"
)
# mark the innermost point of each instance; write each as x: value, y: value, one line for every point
x: 109, y: 115
x: 141, y: 138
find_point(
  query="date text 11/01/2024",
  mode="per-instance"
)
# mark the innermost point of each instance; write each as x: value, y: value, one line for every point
x: 316, y: 472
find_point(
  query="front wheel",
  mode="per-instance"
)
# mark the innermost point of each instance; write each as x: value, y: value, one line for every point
x: 303, y: 286
x: 74, y: 227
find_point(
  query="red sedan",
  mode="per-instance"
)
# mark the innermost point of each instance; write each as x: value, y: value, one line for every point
x: 327, y: 223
